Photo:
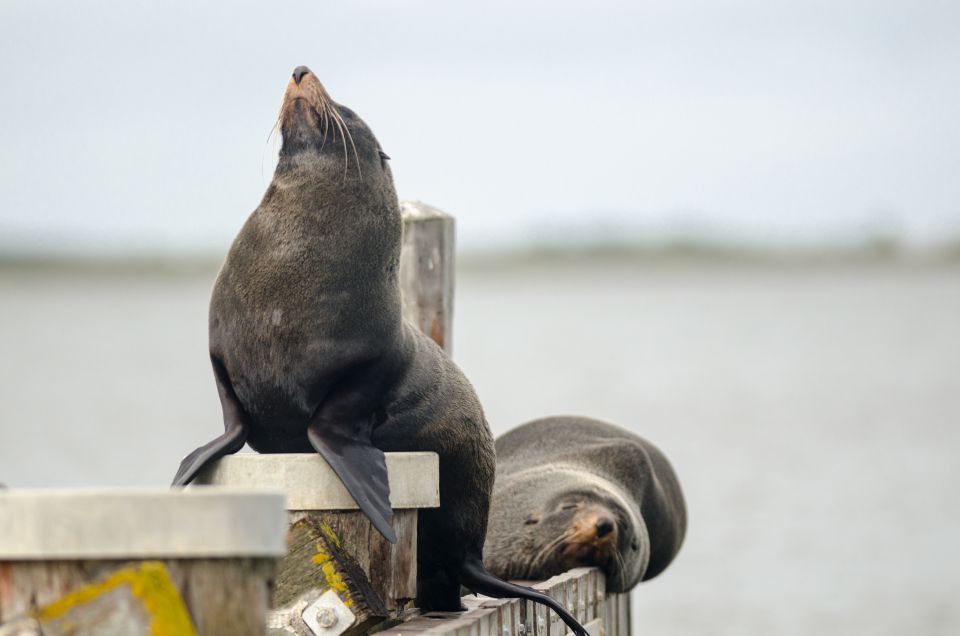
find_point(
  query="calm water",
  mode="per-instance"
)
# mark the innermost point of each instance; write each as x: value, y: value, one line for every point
x: 813, y: 415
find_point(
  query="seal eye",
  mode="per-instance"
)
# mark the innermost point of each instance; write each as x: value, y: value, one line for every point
x: 568, y: 506
x: 634, y: 546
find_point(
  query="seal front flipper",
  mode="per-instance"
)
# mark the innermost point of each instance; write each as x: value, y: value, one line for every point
x: 360, y: 466
x: 234, y: 434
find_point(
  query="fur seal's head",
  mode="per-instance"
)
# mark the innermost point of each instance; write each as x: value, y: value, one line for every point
x: 327, y: 138
x: 566, y: 519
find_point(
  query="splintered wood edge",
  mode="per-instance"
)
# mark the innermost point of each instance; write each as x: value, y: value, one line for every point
x: 141, y: 523
x: 310, y: 483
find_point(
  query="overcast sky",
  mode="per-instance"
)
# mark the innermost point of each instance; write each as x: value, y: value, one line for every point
x: 129, y: 126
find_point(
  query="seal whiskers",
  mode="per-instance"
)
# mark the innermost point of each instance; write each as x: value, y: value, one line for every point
x: 317, y: 97
x: 273, y: 129
x: 547, y: 552
x: 343, y: 138
x: 326, y: 126
x: 344, y: 127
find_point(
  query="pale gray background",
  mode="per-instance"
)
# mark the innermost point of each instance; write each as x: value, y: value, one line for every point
x: 145, y: 124
x: 812, y: 409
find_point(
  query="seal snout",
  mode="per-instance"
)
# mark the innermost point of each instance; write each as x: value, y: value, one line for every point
x: 591, y: 537
x: 594, y: 524
x: 299, y: 72
x: 306, y: 106
x: 604, y: 526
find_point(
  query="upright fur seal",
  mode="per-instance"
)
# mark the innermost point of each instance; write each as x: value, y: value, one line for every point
x: 310, y: 351
x: 573, y: 491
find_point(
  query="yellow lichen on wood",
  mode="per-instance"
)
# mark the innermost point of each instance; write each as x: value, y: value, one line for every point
x: 330, y: 573
x: 330, y: 534
x: 149, y: 583
x: 322, y: 550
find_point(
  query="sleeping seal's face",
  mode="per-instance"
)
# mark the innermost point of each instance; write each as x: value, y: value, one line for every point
x: 579, y: 529
x: 327, y: 139
x: 585, y: 528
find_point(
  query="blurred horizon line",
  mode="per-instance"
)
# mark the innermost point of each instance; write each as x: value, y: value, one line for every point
x: 880, y: 248
x: 593, y: 232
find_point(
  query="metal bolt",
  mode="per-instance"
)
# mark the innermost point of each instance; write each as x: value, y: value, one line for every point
x: 326, y: 617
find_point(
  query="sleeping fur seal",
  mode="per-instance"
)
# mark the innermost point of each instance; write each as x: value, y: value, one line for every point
x: 573, y: 491
x: 310, y: 351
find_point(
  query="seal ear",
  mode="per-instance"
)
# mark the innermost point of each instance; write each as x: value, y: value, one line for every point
x: 384, y: 157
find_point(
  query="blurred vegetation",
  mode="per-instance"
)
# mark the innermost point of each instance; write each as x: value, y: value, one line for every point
x: 154, y: 265
x: 880, y: 248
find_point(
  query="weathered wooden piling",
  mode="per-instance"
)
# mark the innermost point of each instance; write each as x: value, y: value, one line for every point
x: 137, y: 562
x: 337, y: 565
x: 427, y: 270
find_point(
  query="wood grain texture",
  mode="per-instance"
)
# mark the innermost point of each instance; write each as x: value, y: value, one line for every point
x: 427, y: 271
x: 221, y: 596
x: 228, y: 596
x: 340, y: 550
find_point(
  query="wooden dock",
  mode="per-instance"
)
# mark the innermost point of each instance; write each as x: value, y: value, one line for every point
x: 581, y: 592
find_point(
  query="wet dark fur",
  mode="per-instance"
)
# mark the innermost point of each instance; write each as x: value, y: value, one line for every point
x: 544, y: 471
x: 306, y: 328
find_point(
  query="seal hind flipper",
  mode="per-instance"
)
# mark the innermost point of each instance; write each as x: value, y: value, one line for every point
x: 475, y: 577
x: 230, y: 442
x: 361, y: 467
x: 234, y: 434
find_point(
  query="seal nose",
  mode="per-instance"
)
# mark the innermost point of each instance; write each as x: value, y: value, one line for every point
x: 604, y: 527
x: 299, y: 72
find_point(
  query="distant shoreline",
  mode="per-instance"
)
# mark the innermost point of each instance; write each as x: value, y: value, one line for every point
x: 526, y: 257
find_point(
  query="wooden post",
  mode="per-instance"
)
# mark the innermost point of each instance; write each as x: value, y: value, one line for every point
x: 337, y: 566
x: 137, y: 562
x: 427, y: 271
